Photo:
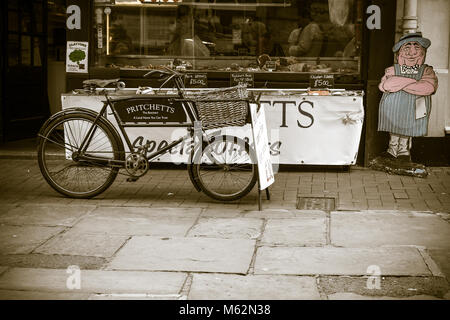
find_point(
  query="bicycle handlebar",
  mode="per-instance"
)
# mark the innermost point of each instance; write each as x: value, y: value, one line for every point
x: 165, y: 72
x: 167, y: 75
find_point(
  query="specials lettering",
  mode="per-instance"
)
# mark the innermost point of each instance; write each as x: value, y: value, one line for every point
x: 150, y: 107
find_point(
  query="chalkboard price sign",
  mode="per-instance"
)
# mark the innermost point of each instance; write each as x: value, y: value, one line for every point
x: 321, y: 81
x: 271, y: 65
x: 242, y: 78
x: 196, y: 80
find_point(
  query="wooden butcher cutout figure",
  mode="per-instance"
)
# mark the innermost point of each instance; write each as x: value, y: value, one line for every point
x: 407, y: 87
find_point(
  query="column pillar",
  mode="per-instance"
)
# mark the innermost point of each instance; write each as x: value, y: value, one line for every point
x: 410, y: 16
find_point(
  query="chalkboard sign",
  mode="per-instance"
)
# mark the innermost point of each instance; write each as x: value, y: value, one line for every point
x: 271, y: 65
x: 321, y: 81
x: 196, y: 80
x: 242, y: 78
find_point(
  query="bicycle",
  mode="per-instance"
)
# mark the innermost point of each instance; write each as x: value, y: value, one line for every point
x: 80, y: 152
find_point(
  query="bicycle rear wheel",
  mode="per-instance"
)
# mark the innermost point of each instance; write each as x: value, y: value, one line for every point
x: 226, y: 170
x: 58, y: 149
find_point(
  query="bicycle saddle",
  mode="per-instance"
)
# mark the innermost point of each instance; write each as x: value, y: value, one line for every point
x: 100, y: 83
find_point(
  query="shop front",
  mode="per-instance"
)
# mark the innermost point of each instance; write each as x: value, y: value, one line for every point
x: 309, y: 60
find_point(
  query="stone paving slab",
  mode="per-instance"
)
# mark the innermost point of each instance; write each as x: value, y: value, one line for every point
x: 3, y: 269
x: 354, y: 296
x: 24, y: 239
x: 78, y: 244
x: 53, y: 261
x: 93, y: 281
x: 237, y: 228
x: 138, y: 221
x: 442, y: 258
x: 6, y: 207
x: 223, y: 212
x: 284, y: 213
x: 134, y: 226
x: 34, y: 295
x: 146, y: 212
x: 136, y: 296
x: 301, y: 231
x: 266, y: 213
x: 51, y: 215
x: 185, y: 254
x: 374, y: 229
x: 397, y: 261
x: 252, y: 287
x: 387, y: 286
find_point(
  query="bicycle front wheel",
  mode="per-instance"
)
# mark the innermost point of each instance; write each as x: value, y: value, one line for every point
x: 59, y: 161
x: 226, y: 169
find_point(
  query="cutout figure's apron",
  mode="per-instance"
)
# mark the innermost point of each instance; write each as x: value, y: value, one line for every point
x: 397, y: 112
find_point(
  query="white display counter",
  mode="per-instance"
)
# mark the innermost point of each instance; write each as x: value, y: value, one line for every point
x: 303, y: 128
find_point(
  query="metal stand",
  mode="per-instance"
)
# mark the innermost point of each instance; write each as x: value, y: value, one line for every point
x: 260, y: 196
x: 259, y: 182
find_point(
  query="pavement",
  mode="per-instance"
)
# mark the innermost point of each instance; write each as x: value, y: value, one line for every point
x: 323, y: 235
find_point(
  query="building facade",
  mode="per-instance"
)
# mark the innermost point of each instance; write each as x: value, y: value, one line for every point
x: 219, y: 41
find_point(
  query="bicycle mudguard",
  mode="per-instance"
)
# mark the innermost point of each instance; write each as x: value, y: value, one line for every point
x: 105, y: 121
x: 190, y: 169
x: 64, y: 113
x: 193, y: 179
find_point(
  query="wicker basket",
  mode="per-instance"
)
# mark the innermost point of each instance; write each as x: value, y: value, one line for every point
x: 221, y: 107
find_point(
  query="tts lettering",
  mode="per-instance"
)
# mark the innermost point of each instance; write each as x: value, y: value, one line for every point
x: 306, y: 120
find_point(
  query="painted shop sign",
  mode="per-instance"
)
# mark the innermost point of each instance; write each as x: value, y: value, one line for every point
x: 159, y: 110
x: 314, y: 130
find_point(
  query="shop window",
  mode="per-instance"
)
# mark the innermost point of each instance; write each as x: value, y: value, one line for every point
x: 220, y: 35
x: 13, y: 21
x: 38, y: 16
x: 26, y: 50
x: 26, y: 12
x: 13, y: 49
x: 37, y: 48
x: 13, y: 4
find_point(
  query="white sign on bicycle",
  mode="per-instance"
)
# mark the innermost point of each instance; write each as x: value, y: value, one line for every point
x: 261, y: 143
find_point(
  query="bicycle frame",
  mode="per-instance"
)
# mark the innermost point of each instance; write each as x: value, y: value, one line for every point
x: 89, y: 140
x: 188, y: 109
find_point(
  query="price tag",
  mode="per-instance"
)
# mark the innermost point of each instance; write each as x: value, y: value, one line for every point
x: 271, y: 65
x: 242, y: 78
x: 321, y: 81
x: 196, y: 80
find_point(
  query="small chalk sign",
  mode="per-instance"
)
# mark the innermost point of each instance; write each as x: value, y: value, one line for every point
x: 242, y: 78
x: 271, y: 65
x: 321, y: 81
x: 196, y: 80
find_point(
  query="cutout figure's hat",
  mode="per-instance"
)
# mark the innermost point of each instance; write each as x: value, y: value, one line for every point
x: 412, y: 37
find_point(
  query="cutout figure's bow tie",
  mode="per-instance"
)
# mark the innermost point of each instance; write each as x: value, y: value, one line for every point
x: 410, y: 70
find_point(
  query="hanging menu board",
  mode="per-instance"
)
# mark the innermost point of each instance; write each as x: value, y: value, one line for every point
x: 242, y: 78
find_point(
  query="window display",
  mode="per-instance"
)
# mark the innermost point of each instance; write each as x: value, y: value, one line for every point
x: 302, y: 36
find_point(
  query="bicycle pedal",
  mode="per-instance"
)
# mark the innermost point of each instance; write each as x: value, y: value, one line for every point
x: 132, y: 179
